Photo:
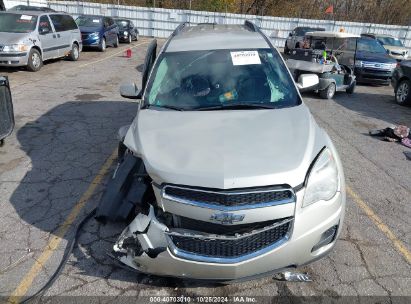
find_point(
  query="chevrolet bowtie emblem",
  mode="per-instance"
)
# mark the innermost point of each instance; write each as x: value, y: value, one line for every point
x: 227, y: 218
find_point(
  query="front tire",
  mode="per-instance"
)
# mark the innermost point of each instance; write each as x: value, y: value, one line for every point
x: 116, y: 42
x: 129, y: 39
x: 103, y: 45
x: 351, y: 88
x: 75, y: 52
x: 35, y: 61
x: 286, y: 49
x: 403, y: 93
x: 329, y: 92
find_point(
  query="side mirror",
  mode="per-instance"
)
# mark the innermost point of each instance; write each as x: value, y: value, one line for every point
x: 290, y: 34
x: 44, y: 30
x: 6, y: 110
x: 130, y: 91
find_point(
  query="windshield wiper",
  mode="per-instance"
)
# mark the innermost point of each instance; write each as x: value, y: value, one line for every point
x: 164, y: 107
x: 236, y: 106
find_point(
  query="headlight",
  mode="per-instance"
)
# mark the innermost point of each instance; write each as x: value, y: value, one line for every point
x: 125, y: 33
x: 15, y: 48
x: 323, y: 179
x: 358, y: 63
x: 95, y: 34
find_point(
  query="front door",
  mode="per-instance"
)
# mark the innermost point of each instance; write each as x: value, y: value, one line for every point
x: 48, y: 38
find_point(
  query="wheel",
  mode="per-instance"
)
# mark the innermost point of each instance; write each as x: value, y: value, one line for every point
x: 137, y: 37
x: 75, y: 52
x: 35, y: 61
x: 129, y: 39
x: 403, y: 93
x: 103, y: 45
x: 329, y: 92
x: 116, y: 43
x: 286, y: 49
x: 351, y: 88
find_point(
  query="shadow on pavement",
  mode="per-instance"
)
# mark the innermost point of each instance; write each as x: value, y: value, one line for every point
x: 67, y: 147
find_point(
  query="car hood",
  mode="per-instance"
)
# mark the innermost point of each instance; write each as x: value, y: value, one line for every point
x: 13, y: 38
x: 89, y: 29
x: 394, y: 48
x: 374, y: 57
x: 226, y: 149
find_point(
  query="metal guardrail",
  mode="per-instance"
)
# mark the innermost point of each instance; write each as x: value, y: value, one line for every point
x: 159, y: 22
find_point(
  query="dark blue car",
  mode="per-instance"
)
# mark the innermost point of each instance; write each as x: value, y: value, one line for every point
x: 98, y: 31
x: 372, y: 63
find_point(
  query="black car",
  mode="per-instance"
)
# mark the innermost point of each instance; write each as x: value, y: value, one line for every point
x: 401, y: 82
x: 6, y: 110
x: 372, y: 64
x: 127, y: 30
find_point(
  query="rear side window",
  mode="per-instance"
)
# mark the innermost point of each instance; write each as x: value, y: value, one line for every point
x: 63, y: 23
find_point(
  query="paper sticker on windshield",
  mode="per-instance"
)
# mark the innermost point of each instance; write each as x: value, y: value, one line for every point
x: 96, y: 20
x: 25, y: 17
x: 245, y: 58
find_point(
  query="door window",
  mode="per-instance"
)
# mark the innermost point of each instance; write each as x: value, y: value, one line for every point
x: 45, y: 23
x: 106, y: 22
x: 63, y: 23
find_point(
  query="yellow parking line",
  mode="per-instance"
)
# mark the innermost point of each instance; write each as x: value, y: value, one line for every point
x: 55, y: 241
x: 401, y: 248
x: 112, y: 55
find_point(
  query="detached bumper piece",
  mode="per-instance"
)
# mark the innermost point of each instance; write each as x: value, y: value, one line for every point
x: 124, y: 191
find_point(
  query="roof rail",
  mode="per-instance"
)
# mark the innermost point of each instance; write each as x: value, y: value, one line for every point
x: 174, y: 33
x: 251, y: 26
x: 179, y: 28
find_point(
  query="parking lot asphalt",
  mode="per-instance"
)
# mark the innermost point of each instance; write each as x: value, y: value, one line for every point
x: 54, y: 167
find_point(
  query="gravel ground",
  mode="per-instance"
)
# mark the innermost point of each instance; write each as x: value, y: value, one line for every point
x: 67, y: 116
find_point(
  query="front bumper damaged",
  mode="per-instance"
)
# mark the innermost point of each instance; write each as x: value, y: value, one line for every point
x: 146, y: 246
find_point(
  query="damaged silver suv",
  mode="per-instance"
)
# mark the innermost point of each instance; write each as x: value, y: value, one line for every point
x: 223, y: 174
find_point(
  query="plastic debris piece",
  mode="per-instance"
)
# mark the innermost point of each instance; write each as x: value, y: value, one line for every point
x: 289, y: 276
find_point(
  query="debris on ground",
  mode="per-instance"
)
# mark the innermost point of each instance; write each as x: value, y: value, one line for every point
x: 398, y: 133
x: 289, y: 276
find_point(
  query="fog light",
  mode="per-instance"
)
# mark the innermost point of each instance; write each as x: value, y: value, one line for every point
x: 326, y: 238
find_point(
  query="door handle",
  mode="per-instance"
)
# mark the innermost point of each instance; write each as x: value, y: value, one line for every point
x: 54, y: 36
x: 58, y: 35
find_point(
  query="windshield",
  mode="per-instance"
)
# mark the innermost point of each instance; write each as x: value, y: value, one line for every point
x: 17, y: 23
x: 89, y: 21
x: 390, y: 41
x: 370, y: 45
x: 221, y: 78
x: 122, y: 23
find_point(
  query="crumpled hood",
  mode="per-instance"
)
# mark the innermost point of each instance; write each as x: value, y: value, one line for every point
x: 13, y: 38
x: 226, y: 149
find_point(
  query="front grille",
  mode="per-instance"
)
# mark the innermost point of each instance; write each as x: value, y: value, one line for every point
x: 230, y: 247
x: 229, y: 198
x: 379, y: 72
x: 228, y: 230
x: 84, y: 36
x: 377, y: 66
